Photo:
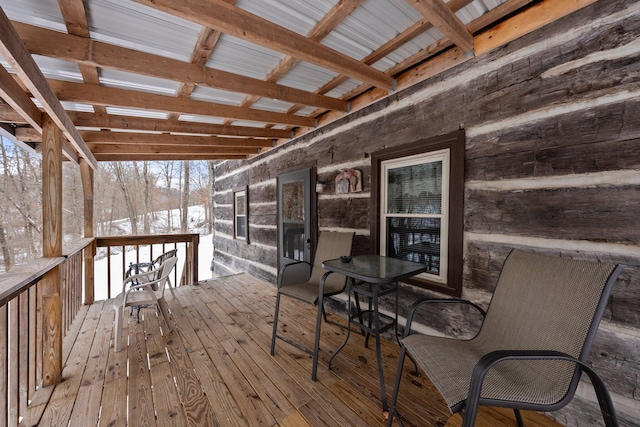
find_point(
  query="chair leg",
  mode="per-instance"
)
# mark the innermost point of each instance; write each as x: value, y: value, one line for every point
x: 316, y: 347
x: 118, y: 328
x: 518, y: 417
x: 275, y: 325
x: 165, y: 313
x: 396, y: 388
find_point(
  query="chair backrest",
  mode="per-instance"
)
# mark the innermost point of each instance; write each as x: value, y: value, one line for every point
x: 331, y: 245
x: 544, y: 302
x: 163, y: 274
x: 169, y: 254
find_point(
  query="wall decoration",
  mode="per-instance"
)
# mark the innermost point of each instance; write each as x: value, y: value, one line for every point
x: 349, y: 181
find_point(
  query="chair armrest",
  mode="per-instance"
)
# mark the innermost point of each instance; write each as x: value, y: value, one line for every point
x: 282, y: 276
x: 420, y: 302
x: 489, y: 360
x: 137, y: 279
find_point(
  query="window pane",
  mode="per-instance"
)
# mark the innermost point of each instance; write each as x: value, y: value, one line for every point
x: 415, y: 189
x: 293, y: 201
x: 241, y: 226
x: 293, y: 241
x: 415, y: 239
x: 240, y: 203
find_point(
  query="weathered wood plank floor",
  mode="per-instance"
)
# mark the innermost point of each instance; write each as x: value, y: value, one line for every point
x: 214, y: 368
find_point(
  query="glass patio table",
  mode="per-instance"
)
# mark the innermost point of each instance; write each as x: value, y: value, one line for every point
x: 373, y: 276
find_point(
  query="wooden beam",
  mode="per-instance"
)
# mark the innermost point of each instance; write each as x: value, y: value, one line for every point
x: 332, y: 19
x: 164, y: 157
x: 99, y: 137
x: 144, y: 124
x: 99, y: 95
x: 27, y: 134
x: 15, y: 97
x: 13, y: 50
x: 104, y: 148
x: 87, y: 175
x: 54, y: 44
x: 9, y: 115
x: 237, y: 22
x: 443, y: 18
x: 75, y: 19
x: 527, y: 21
x: 51, y: 248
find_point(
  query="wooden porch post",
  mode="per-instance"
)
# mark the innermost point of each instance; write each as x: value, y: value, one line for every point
x: 86, y: 173
x: 51, y: 247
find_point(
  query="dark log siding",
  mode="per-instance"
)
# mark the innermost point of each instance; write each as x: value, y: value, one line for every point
x: 526, y: 122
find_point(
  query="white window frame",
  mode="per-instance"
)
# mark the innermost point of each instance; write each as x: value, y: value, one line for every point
x: 443, y: 156
x: 236, y: 194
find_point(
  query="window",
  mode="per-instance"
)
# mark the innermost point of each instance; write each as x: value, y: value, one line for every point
x: 418, y: 198
x: 240, y: 223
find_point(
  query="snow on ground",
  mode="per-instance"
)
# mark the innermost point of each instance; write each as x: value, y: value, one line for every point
x: 146, y: 253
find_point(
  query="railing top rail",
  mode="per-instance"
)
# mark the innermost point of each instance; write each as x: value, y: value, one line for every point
x: 144, y: 239
x: 16, y: 281
x: 76, y: 246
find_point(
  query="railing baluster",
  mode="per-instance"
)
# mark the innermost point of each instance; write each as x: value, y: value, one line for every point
x: 23, y: 344
x: 14, y: 365
x: 33, y: 315
x: 4, y: 365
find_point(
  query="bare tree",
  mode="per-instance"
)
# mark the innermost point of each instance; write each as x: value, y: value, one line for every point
x: 184, y: 200
x: 167, y: 170
x: 121, y: 176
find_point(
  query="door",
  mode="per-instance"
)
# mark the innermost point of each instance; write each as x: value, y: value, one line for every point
x: 295, y: 237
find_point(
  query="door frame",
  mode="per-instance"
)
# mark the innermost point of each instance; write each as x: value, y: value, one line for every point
x: 313, y: 213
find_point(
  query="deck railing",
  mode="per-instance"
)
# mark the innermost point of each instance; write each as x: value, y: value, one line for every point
x: 22, y: 337
x: 130, y: 250
x: 25, y: 321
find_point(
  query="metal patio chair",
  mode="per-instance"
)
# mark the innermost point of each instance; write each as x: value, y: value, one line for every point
x: 140, y: 289
x: 320, y: 284
x: 533, y: 343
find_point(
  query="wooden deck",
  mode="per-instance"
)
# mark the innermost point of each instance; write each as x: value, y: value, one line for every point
x: 214, y: 368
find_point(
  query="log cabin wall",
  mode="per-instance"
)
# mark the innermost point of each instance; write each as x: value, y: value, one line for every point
x: 552, y: 124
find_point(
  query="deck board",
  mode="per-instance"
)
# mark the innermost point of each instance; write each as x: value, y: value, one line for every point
x: 214, y: 368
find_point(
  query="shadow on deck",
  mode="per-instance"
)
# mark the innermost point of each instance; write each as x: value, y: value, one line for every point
x: 214, y: 368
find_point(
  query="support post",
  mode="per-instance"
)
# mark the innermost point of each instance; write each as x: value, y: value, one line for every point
x: 51, y: 247
x: 86, y: 173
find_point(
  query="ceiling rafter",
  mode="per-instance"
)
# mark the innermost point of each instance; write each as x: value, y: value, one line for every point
x: 169, y: 149
x: 330, y: 21
x: 75, y: 19
x: 13, y: 51
x: 21, y: 103
x: 129, y: 157
x: 443, y: 18
x: 100, y: 95
x: 102, y: 137
x: 111, y: 121
x: 207, y: 40
x: 409, y: 34
x: 73, y: 48
x: 239, y: 23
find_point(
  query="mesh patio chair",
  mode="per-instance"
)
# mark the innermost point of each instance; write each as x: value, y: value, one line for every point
x: 319, y: 285
x: 140, y: 289
x: 533, y: 343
